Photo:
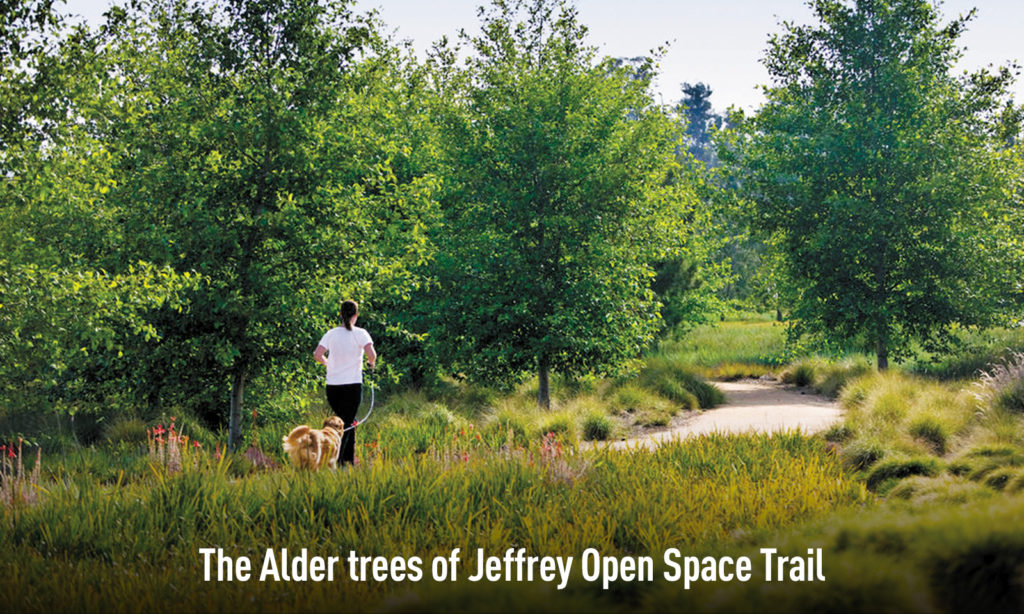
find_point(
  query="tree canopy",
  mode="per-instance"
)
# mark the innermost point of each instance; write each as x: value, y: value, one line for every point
x: 878, y: 173
x: 560, y: 197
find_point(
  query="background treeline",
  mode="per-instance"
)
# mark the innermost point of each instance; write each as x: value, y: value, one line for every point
x: 190, y: 189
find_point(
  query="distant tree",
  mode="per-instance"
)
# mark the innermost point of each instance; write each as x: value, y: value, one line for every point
x: 695, y: 107
x: 880, y: 175
x: 558, y: 203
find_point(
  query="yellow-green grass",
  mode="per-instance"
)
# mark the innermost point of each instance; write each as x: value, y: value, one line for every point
x: 947, y: 436
x: 134, y: 547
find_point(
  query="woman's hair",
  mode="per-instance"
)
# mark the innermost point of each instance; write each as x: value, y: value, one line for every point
x: 348, y: 310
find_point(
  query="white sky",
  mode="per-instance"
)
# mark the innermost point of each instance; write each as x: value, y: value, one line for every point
x: 719, y: 42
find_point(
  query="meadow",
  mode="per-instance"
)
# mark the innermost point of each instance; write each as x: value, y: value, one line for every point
x: 913, y: 499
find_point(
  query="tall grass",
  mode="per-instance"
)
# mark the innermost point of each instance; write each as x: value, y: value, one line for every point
x: 88, y: 546
x: 729, y: 350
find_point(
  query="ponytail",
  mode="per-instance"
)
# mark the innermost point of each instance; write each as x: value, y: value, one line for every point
x: 349, y: 309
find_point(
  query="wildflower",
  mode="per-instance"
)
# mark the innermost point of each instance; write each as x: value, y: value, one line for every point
x: 159, y: 430
x: 196, y: 444
x: 10, y: 452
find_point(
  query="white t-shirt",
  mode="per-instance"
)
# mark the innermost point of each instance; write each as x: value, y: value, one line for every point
x: 345, y: 354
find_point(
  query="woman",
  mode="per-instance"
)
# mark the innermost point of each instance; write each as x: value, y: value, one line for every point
x: 341, y: 351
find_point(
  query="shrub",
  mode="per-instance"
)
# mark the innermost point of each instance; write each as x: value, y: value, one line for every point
x: 127, y: 430
x: 596, y: 427
x: 561, y: 424
x: 800, y: 373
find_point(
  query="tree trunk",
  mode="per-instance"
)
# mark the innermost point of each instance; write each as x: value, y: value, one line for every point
x: 235, y: 418
x: 778, y: 314
x: 543, y: 387
x: 882, y: 353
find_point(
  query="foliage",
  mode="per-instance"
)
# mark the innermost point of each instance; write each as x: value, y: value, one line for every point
x: 877, y: 174
x: 261, y: 145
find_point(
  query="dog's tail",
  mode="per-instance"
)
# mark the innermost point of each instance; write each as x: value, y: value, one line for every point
x: 298, y: 440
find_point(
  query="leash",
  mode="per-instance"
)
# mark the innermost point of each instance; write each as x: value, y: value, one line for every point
x: 356, y: 423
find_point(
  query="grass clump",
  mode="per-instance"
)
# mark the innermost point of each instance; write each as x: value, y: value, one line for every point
x: 644, y: 407
x: 898, y: 414
x: 597, y: 427
x: 932, y: 430
x: 889, y: 471
x: 676, y: 382
x: 863, y: 453
x: 827, y: 377
x: 838, y: 433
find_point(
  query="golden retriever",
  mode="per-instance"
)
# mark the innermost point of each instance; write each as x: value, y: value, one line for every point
x: 315, y: 449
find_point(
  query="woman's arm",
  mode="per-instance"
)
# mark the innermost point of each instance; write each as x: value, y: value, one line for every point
x: 318, y: 355
x: 371, y: 354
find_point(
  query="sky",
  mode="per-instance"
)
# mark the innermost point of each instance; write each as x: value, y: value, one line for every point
x: 718, y: 42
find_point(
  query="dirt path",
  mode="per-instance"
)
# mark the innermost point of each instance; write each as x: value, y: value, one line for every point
x: 751, y: 405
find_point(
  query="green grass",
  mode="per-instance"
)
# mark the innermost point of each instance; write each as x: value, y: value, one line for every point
x: 730, y: 350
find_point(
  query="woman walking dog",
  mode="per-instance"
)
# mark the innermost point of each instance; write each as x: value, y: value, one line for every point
x: 341, y: 350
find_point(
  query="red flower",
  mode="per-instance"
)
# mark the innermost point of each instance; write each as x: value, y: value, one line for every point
x: 10, y: 452
x: 195, y: 444
x: 159, y: 430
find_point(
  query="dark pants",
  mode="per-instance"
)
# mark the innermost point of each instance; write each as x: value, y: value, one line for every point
x: 344, y: 401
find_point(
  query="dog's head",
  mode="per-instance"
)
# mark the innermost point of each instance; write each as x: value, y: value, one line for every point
x: 334, y: 422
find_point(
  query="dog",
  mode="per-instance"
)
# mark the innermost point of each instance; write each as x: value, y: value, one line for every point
x: 315, y: 449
